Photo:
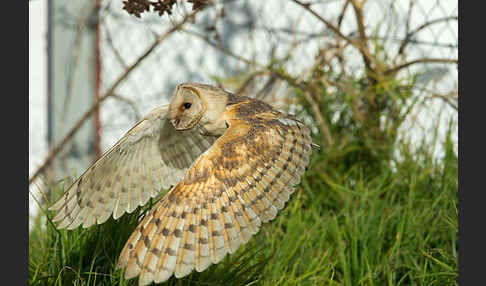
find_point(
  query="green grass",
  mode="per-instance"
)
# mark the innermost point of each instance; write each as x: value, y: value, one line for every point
x: 342, y: 226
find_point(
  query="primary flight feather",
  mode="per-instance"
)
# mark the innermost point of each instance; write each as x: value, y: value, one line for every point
x: 232, y: 161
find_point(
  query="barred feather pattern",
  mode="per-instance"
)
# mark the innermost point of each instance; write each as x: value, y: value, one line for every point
x: 149, y: 158
x: 242, y: 181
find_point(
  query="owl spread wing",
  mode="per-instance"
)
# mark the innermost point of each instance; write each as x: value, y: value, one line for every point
x: 151, y: 157
x: 241, y: 181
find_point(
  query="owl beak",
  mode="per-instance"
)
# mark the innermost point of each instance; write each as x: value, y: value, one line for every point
x: 175, y: 122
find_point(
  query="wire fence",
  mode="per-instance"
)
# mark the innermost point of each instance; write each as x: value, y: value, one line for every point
x: 228, y: 38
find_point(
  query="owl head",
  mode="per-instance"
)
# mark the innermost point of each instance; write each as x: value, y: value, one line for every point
x: 196, y: 103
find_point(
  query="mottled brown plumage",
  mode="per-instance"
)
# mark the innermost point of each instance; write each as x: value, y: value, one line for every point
x: 233, y: 162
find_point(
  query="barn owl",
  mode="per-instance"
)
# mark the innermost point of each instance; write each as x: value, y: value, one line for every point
x: 232, y: 162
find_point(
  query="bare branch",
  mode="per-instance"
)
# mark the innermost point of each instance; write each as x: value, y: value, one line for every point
x: 343, y: 11
x: 131, y: 103
x: 394, y: 70
x: 447, y: 99
x: 363, y: 40
x: 411, y: 3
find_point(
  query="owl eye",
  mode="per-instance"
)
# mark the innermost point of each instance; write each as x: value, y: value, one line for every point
x: 187, y: 105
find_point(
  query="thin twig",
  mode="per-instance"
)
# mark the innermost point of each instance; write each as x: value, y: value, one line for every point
x: 131, y: 103
x: 109, y: 41
x: 336, y: 30
x: 448, y: 98
x: 411, y: 3
x: 393, y: 70
x: 363, y: 39
x: 343, y: 11
x: 320, y: 120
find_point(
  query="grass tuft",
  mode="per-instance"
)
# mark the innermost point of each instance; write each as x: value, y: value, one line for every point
x: 398, y: 228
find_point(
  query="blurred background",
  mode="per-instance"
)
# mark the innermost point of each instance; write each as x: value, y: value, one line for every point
x: 79, y: 51
x: 382, y: 66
